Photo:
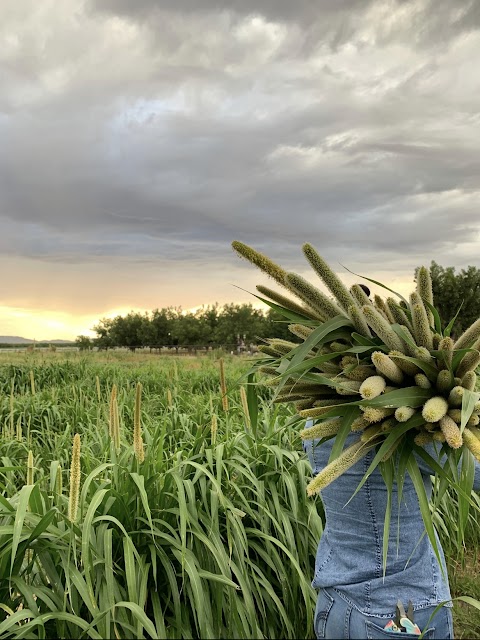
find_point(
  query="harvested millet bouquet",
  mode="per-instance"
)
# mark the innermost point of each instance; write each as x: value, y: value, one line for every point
x: 383, y: 369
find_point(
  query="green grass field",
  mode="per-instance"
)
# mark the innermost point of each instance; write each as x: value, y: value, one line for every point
x: 210, y: 536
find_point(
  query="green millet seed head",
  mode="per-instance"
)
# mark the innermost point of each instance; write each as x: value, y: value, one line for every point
x: 113, y: 400
x: 261, y: 261
x: 316, y: 412
x: 455, y: 415
x: 300, y: 330
x: 438, y: 436
x: 267, y: 350
x: 74, y: 479
x: 59, y: 481
x: 330, y: 279
x: 451, y: 432
x: 423, y: 438
x: 312, y: 296
x: 283, y: 301
x: 436, y: 340
x: 415, y: 299
x: 283, y: 346
x: 332, y: 471
x: 474, y: 420
x: 421, y: 326
x: 348, y: 387
x: 380, y: 304
x: 471, y: 335
x: 359, y: 294
x: 445, y: 357
x: 288, y: 397
x: 455, y: 396
x: 425, y: 291
x: 422, y: 381
x: 431, y: 426
x: 402, y: 414
x: 329, y: 402
x: 213, y: 428
x: 472, y: 442
x: 409, y: 368
x: 278, y: 343
x: 376, y: 414
x: 382, y: 328
x: 360, y: 373
x: 444, y: 381
x: 398, y: 314
x: 371, y: 432
x: 387, y: 367
x: 457, y: 381
x: 305, y: 403
x: 359, y: 424
x: 329, y: 367
x: 422, y: 353
x: 434, y: 409
x: 389, y: 424
x: 475, y: 431
x: 346, y: 361
x: 308, y: 388
x: 359, y: 321
x: 30, y: 467
x: 322, y: 429
x: 137, y: 425
x: 273, y: 382
x: 469, y: 380
x: 338, y: 346
x: 470, y: 360
x: 372, y: 387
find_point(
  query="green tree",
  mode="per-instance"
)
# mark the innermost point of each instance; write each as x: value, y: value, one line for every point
x: 189, y: 330
x: 84, y: 343
x: 276, y: 326
x: 161, y: 325
x: 239, y: 320
x: 131, y: 331
x: 452, y: 290
x: 103, y: 330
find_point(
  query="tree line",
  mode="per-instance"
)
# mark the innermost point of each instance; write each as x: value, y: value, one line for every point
x: 229, y: 325
x: 213, y: 326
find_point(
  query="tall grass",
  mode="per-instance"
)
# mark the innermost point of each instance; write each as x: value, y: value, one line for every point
x: 209, y: 535
x: 202, y: 538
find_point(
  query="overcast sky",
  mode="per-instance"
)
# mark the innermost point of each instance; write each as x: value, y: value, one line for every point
x: 140, y: 137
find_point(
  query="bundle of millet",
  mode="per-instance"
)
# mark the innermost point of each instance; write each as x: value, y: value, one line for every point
x: 384, y: 369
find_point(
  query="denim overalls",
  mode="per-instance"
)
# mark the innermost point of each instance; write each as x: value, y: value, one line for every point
x: 355, y: 600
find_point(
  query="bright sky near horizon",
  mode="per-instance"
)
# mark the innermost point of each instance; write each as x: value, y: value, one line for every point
x: 140, y: 137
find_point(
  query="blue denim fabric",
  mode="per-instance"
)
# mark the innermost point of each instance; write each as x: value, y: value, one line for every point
x: 336, y: 617
x: 349, y: 556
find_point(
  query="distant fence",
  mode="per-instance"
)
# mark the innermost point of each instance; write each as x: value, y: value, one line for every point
x: 173, y: 349
x: 196, y: 349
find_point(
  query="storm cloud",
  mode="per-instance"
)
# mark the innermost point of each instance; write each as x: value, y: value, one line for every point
x: 143, y: 135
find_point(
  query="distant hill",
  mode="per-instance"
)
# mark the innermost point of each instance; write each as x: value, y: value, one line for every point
x: 20, y: 340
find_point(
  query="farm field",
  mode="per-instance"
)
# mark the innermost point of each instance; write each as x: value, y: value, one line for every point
x: 201, y: 529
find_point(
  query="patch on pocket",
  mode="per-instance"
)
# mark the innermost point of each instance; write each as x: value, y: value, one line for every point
x: 375, y: 631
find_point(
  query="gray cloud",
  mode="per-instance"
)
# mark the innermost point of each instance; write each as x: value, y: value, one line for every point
x: 147, y: 131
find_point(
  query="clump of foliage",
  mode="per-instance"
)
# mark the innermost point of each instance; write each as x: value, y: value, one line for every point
x: 135, y: 503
